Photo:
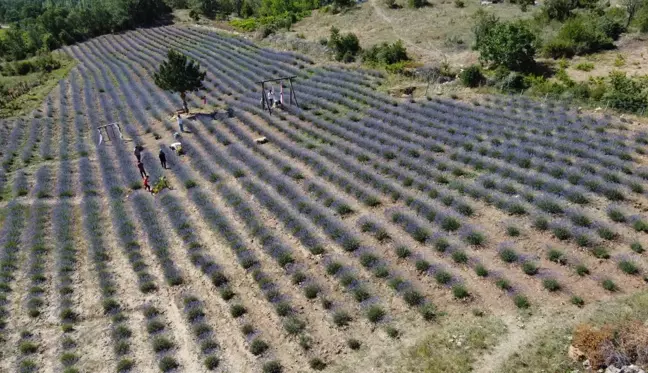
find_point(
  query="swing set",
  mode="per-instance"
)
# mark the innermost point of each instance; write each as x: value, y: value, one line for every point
x: 111, y: 131
x: 265, y: 102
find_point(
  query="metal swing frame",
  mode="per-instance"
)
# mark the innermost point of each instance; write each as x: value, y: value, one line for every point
x: 292, y: 95
x: 112, y: 132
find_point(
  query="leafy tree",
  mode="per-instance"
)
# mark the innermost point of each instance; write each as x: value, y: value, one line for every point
x: 626, y: 94
x: 209, y: 8
x: 416, y: 3
x: 559, y: 10
x: 346, y: 47
x: 471, y: 76
x: 578, y: 36
x: 179, y: 74
x: 508, y: 44
x: 632, y: 8
x: 386, y: 53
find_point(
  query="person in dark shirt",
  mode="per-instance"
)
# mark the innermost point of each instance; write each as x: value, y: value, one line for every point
x: 138, y: 153
x: 162, y: 158
x: 140, y: 166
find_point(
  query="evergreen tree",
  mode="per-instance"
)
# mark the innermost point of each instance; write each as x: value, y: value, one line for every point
x: 179, y: 74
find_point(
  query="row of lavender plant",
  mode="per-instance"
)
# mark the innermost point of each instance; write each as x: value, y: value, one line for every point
x: 161, y: 339
x: 10, y: 244
x: 67, y: 266
x: 38, y: 257
x: 332, y: 228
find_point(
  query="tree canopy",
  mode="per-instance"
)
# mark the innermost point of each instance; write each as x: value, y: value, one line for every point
x: 508, y: 44
x: 179, y: 74
x: 37, y: 25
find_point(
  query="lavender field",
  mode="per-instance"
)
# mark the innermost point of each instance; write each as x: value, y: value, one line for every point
x: 362, y: 223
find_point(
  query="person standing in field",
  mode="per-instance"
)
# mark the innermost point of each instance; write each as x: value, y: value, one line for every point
x: 162, y: 158
x: 140, y: 166
x: 180, y: 122
x: 147, y: 186
x: 138, y: 153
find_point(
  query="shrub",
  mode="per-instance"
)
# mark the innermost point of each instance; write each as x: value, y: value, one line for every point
x: 481, y: 271
x: 616, y: 215
x: 459, y: 257
x: 211, y: 362
x: 311, y: 291
x: 417, y: 3
x: 450, y: 224
x: 636, y: 247
x: 600, y: 252
x: 443, y: 277
x: 226, y: 293
x: 422, y: 265
x: 508, y: 44
x: 353, y: 344
x: 368, y: 260
x: 460, y: 292
x: 161, y: 344
x: 168, y: 363
x: 628, y: 267
x: 428, y: 311
x: 258, y: 347
x: 333, y: 268
x: 412, y: 297
x: 27, y: 347
x: 508, y: 255
x: 272, y: 367
x: 556, y: 256
x: 606, y: 233
x: 578, y: 301
x: 341, y: 318
x: 585, y: 66
x: 375, y: 314
x: 361, y: 294
x: 512, y: 231
x: 420, y: 234
x: 541, y: 223
x: 283, y: 308
x: 471, y: 76
x: 626, y: 94
x: 403, y: 252
x: 208, y: 345
x: 345, y: 47
x: 475, y: 238
x: 381, y: 272
x: 441, y: 244
x: 521, y: 301
x: 386, y: 54
x: 576, y: 37
x: 551, y: 284
x: 154, y: 326
x: 237, y: 310
x: 392, y: 332
x: 530, y: 268
x: 293, y: 325
x: 609, y: 285
x: 503, y: 284
x: 125, y: 365
x: 316, y: 364
x: 247, y: 329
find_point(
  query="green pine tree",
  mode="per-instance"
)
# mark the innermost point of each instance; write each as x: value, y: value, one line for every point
x: 179, y: 74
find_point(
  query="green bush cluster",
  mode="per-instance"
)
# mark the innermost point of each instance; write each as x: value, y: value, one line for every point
x: 386, y: 54
x: 345, y: 47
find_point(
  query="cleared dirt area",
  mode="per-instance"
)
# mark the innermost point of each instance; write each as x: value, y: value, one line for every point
x: 366, y: 234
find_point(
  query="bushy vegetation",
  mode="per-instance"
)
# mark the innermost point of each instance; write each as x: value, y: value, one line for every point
x: 45, y: 26
x: 507, y: 44
x: 472, y: 76
x: 345, y: 47
x: 385, y: 54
